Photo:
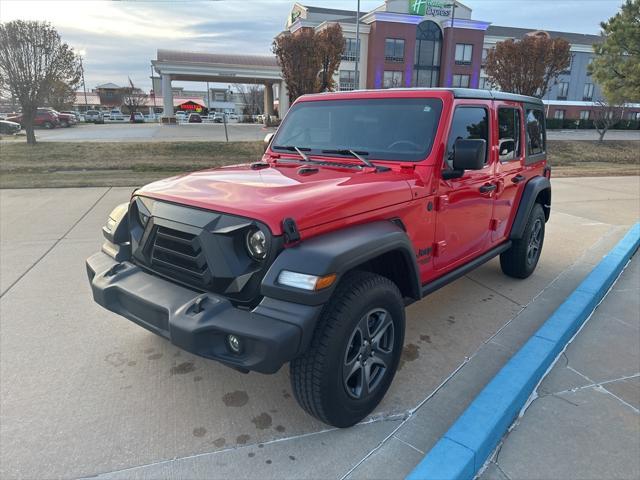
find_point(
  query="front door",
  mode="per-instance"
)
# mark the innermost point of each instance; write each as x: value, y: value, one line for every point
x: 465, y: 204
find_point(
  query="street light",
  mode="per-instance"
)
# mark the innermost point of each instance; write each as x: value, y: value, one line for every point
x: 82, y: 53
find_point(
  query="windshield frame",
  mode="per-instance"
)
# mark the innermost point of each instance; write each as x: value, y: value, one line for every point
x: 439, y: 105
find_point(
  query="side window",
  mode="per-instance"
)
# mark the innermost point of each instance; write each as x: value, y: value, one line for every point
x: 468, y: 123
x: 535, y: 131
x: 509, y: 134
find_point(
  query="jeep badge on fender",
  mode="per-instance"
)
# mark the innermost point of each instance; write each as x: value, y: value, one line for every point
x: 363, y: 202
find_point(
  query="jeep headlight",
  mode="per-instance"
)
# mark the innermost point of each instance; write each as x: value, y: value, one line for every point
x: 256, y: 243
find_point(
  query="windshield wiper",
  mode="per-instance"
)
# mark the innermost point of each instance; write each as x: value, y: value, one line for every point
x: 353, y: 153
x: 293, y: 148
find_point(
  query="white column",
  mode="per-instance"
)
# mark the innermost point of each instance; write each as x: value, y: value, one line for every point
x: 167, y: 96
x: 268, y: 99
x: 284, y: 100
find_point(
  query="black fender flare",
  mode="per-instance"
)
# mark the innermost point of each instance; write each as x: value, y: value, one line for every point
x: 338, y: 252
x: 531, y: 191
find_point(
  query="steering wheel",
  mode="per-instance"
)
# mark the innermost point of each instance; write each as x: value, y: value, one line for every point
x: 406, y: 142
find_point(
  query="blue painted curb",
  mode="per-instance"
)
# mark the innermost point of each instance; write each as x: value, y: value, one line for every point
x: 464, y: 449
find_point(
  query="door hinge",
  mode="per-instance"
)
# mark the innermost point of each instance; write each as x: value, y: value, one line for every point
x: 442, y: 202
x: 439, y: 248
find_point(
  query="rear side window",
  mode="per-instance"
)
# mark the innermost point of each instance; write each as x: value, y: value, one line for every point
x: 509, y: 134
x: 535, y: 131
x: 468, y: 123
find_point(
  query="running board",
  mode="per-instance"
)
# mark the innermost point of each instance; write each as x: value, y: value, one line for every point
x: 447, y: 278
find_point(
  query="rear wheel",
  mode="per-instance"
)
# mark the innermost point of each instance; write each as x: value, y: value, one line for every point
x: 522, y: 258
x: 64, y: 124
x: 354, y: 352
x: 47, y: 125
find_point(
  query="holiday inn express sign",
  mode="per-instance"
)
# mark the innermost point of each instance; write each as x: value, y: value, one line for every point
x: 432, y: 8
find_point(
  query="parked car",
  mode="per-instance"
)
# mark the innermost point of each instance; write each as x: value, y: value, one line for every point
x: 181, y: 116
x: 76, y: 114
x: 9, y: 128
x: 137, y: 117
x: 116, y: 115
x: 43, y: 118
x: 218, y: 117
x: 195, y: 118
x: 93, y: 116
x: 65, y: 119
x: 362, y: 203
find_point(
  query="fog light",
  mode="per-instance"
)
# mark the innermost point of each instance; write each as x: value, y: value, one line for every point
x: 234, y: 344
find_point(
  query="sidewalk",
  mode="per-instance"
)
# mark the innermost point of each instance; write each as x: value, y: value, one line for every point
x: 585, y: 422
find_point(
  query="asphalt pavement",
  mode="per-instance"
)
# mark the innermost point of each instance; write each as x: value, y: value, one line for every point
x: 154, y: 132
x: 85, y: 392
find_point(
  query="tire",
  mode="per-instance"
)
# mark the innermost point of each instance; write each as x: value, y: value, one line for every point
x: 522, y: 258
x: 327, y: 380
x: 47, y: 125
x: 64, y: 124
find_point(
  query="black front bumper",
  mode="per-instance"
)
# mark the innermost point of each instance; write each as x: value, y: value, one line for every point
x: 271, y: 334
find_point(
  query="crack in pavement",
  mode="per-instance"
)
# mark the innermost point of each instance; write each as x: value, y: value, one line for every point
x: 64, y: 235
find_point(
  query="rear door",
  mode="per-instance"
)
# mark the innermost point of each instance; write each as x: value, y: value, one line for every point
x: 465, y: 204
x: 509, y: 146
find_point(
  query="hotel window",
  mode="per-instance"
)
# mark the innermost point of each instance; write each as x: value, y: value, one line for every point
x: 484, y: 84
x: 587, y: 93
x: 394, y: 50
x: 568, y: 69
x: 559, y: 115
x: 485, y: 52
x: 461, y: 81
x: 589, y: 62
x: 350, y: 50
x: 463, y: 54
x: 347, y: 80
x: 584, y: 114
x: 563, y: 90
x: 392, y: 79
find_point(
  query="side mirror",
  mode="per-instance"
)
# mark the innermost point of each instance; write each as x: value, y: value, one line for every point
x: 267, y: 140
x: 467, y: 155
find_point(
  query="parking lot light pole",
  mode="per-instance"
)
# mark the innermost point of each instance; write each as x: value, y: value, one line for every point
x: 357, y: 46
x: 81, y: 53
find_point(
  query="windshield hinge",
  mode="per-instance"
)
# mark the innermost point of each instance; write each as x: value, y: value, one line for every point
x: 291, y: 233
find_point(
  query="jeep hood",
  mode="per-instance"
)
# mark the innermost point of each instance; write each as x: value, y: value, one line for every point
x: 277, y: 192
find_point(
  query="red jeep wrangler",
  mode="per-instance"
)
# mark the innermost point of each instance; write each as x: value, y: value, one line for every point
x: 363, y: 203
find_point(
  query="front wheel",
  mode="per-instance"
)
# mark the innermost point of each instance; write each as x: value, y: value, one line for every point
x: 354, y: 352
x: 522, y: 258
x: 48, y: 125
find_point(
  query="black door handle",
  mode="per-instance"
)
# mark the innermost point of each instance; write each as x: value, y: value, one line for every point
x: 518, y: 178
x: 490, y: 187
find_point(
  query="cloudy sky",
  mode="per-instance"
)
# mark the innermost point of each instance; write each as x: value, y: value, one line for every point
x: 121, y: 37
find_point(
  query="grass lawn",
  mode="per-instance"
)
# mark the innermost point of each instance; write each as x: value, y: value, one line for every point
x: 58, y: 164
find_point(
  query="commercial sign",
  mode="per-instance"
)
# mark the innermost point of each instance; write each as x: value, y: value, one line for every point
x: 431, y: 8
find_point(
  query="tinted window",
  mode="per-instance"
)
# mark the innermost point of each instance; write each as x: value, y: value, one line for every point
x: 535, y: 132
x: 509, y: 134
x: 388, y: 129
x: 468, y: 123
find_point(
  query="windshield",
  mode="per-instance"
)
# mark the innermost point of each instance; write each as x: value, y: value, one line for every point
x: 384, y: 129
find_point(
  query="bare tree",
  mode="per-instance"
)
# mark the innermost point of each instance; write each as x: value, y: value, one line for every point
x: 528, y: 66
x: 33, y: 59
x: 133, y: 98
x: 330, y: 47
x: 253, y: 98
x: 605, y: 116
x: 61, y: 97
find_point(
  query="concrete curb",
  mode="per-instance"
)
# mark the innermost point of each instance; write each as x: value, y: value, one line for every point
x: 464, y: 449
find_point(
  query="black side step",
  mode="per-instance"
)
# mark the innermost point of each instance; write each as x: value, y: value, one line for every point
x: 447, y: 278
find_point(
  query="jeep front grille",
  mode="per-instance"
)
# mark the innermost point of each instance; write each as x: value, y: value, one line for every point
x: 179, y: 255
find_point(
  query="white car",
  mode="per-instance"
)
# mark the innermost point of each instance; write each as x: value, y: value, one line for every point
x: 181, y: 116
x: 116, y: 115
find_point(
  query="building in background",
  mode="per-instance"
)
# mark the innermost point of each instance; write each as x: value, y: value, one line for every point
x: 431, y: 43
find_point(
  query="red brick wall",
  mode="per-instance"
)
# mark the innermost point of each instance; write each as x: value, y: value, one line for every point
x: 448, y: 67
x: 376, y: 64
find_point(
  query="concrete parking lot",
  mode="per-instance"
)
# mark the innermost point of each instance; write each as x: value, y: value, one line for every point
x: 85, y: 392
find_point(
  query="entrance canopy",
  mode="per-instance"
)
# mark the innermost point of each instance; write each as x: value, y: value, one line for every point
x: 221, y: 68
